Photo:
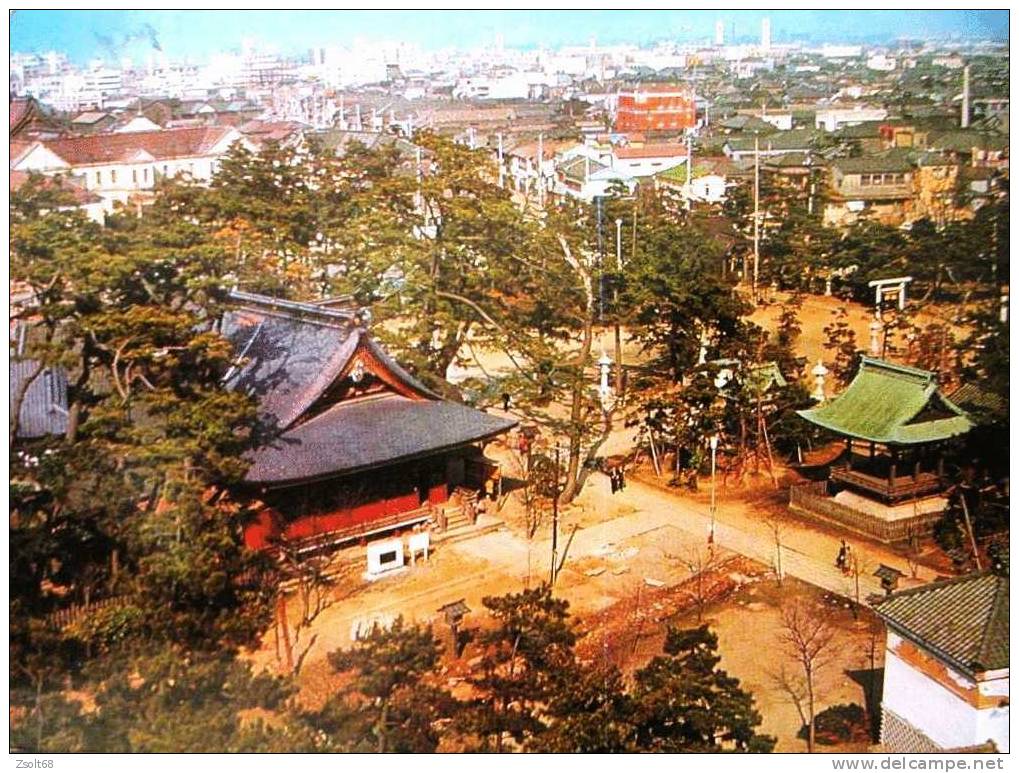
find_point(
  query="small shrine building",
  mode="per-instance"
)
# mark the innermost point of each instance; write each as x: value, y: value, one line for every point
x: 896, y: 424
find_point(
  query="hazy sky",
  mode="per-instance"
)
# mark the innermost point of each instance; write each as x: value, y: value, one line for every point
x: 111, y: 34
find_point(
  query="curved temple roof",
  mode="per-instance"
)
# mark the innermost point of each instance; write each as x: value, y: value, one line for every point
x: 892, y: 404
x: 290, y: 354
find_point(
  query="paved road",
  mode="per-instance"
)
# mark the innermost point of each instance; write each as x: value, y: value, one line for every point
x: 807, y: 554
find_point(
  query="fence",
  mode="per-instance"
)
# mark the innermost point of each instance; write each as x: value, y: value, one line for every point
x: 62, y: 618
x: 812, y: 499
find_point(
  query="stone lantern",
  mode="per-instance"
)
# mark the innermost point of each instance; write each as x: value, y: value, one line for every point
x: 819, y: 372
x: 875, y: 337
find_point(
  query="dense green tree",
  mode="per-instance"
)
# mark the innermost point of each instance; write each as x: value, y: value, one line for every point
x: 684, y: 703
x: 520, y: 657
x: 163, y: 700
x: 390, y: 704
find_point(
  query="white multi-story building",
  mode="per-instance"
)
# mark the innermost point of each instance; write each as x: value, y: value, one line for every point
x: 881, y: 63
x: 118, y: 166
x: 834, y: 119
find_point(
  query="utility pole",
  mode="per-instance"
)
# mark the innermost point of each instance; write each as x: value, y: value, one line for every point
x: 757, y: 215
x: 555, y: 516
x: 713, y: 442
x: 541, y: 171
x: 689, y: 172
x: 615, y: 303
x: 501, y: 170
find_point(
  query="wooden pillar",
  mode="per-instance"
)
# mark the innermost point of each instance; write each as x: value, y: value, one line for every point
x: 941, y: 466
x: 872, y: 448
x: 891, y: 467
x: 849, y: 453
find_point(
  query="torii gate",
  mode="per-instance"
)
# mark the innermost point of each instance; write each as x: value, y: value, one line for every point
x: 883, y: 287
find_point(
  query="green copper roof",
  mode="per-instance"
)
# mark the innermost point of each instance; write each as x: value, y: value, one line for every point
x: 764, y: 376
x: 891, y: 404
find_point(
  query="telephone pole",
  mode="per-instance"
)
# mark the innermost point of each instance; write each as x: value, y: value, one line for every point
x: 615, y: 303
x: 757, y: 215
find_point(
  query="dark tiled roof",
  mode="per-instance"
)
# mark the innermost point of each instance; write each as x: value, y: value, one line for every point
x: 794, y: 139
x: 976, y: 400
x: 875, y: 163
x: 963, y: 620
x: 963, y: 141
x: 860, y: 131
x: 577, y: 169
x: 286, y: 362
x: 44, y: 408
x: 364, y: 434
x: 787, y: 160
x: 748, y: 123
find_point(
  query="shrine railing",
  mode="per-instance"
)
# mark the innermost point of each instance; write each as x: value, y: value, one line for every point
x: 900, y: 487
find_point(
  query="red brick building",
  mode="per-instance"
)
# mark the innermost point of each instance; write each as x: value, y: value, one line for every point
x: 650, y: 107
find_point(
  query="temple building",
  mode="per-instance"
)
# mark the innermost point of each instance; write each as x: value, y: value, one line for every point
x: 357, y: 446
x: 888, y: 482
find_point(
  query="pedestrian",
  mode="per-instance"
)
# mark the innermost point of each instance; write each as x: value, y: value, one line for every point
x: 612, y: 480
x: 847, y: 565
x: 622, y: 478
x: 505, y: 401
x: 840, y: 560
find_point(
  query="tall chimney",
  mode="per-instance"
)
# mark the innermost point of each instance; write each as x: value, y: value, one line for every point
x: 965, y: 97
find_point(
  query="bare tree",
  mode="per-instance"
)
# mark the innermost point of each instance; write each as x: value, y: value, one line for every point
x: 856, y: 564
x: 700, y: 561
x: 312, y: 584
x: 775, y: 525
x: 808, y: 637
x: 914, y: 536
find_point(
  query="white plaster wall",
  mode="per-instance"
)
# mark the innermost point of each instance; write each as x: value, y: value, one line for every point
x: 945, y: 718
x: 710, y: 188
x: 41, y: 159
x: 642, y: 167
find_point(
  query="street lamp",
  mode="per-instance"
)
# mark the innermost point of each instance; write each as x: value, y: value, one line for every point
x: 713, y: 442
x: 604, y: 390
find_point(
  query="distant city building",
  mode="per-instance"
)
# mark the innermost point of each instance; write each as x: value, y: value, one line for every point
x: 719, y: 33
x: 650, y: 107
x: 881, y: 63
x: 834, y: 119
x: 120, y: 166
x: 765, y: 34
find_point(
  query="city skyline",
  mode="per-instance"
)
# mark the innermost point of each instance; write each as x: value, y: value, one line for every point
x: 113, y: 34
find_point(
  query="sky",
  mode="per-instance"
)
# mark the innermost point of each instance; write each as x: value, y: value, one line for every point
x: 194, y: 34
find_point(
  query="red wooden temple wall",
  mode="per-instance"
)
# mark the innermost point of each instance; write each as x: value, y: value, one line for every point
x: 318, y: 508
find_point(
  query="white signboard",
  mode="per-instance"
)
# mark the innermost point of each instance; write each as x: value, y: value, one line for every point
x: 385, y: 557
x: 418, y: 543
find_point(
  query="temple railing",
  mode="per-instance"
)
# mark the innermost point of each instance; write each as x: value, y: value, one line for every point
x: 899, y: 487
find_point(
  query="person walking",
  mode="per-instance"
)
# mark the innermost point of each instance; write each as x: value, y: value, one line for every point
x: 505, y: 401
x: 840, y: 560
x: 613, y: 482
x: 847, y: 562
